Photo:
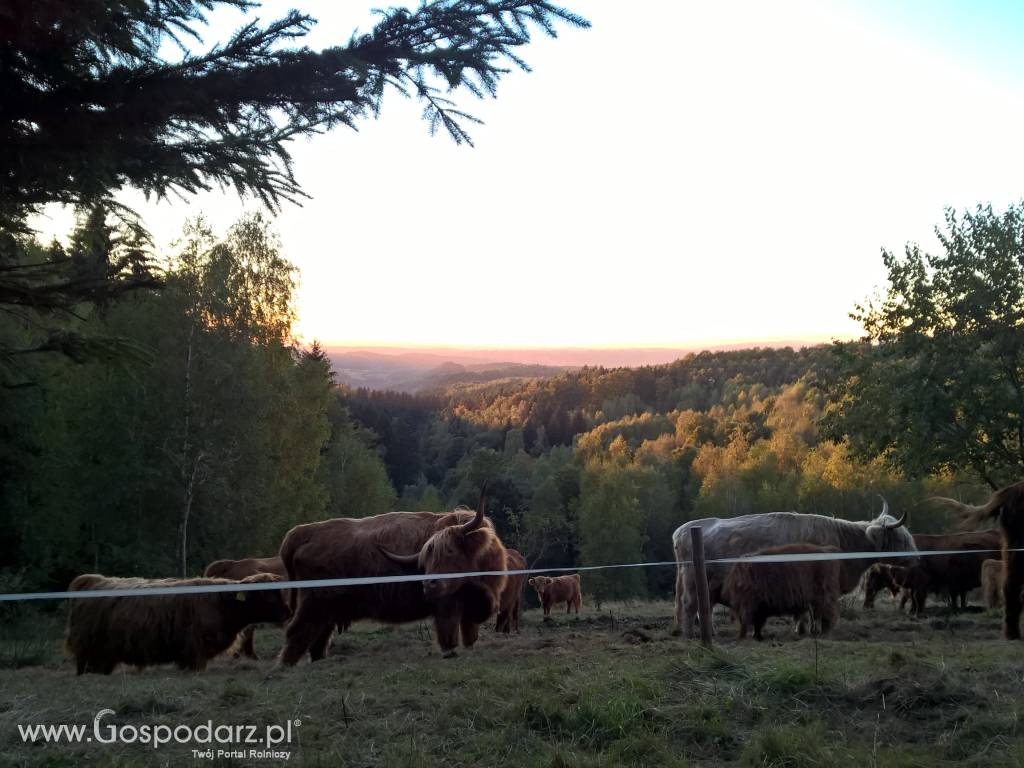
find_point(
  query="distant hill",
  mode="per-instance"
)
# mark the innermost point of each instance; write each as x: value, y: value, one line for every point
x: 418, y: 369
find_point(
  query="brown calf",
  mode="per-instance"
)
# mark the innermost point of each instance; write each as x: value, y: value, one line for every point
x: 558, y: 589
x: 881, y: 576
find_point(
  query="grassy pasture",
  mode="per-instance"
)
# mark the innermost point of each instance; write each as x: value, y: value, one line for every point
x: 611, y: 688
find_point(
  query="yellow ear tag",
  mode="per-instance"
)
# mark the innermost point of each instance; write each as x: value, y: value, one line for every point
x: 240, y: 597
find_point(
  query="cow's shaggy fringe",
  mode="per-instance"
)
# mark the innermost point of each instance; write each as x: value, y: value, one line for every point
x: 185, y: 629
x: 757, y: 591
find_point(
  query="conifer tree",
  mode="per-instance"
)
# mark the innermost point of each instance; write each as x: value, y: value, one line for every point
x: 93, y: 103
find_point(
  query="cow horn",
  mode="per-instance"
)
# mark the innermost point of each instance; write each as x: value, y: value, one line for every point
x: 403, y: 560
x: 478, y: 519
x: 971, y: 514
x: 885, y: 510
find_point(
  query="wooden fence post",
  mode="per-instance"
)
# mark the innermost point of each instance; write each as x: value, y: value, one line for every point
x: 701, y: 575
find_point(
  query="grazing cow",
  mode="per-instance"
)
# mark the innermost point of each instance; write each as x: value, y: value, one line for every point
x: 881, y: 576
x: 744, y: 535
x: 240, y: 569
x: 558, y: 589
x: 1008, y: 505
x: 429, y: 543
x: 510, y: 607
x: 757, y: 591
x: 184, y: 629
x: 992, y: 582
x: 915, y: 584
x: 953, y: 576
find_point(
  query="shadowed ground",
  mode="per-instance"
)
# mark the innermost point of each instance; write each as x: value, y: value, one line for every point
x: 611, y: 688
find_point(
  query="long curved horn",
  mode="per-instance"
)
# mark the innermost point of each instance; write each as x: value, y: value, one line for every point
x: 898, y: 523
x: 403, y: 560
x: 971, y: 514
x: 478, y: 519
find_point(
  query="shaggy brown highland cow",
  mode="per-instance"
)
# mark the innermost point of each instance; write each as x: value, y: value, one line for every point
x: 392, y: 544
x: 184, y: 629
x: 757, y: 591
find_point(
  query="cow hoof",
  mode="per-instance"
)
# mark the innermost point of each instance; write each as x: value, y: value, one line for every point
x: 451, y: 654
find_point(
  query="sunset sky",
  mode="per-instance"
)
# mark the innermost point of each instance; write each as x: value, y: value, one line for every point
x: 682, y: 174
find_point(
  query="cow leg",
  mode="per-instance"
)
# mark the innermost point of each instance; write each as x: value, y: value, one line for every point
x: 246, y: 646
x: 759, y: 622
x: 917, y: 601
x: 690, y: 608
x: 306, y: 627
x: 318, y: 649
x: 1014, y: 579
x: 470, y: 632
x: 447, y: 617
x: 680, y: 592
x: 828, y: 612
x: 744, y: 628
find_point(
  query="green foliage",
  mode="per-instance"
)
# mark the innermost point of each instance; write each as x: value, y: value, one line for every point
x: 353, y: 473
x: 611, y: 531
x: 940, y: 384
x: 212, y: 444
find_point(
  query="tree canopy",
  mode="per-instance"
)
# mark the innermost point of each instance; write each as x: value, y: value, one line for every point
x: 938, y: 382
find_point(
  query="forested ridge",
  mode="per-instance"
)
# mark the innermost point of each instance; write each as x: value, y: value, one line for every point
x: 601, y: 465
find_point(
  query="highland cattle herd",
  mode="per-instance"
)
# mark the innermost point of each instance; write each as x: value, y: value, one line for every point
x: 804, y: 579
